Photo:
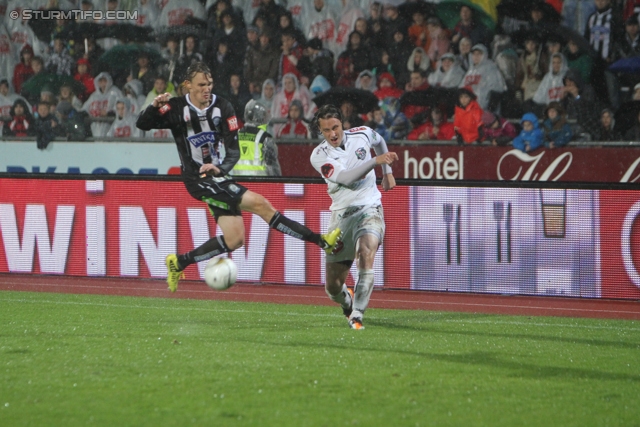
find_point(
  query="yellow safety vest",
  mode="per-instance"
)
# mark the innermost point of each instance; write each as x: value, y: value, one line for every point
x: 251, y: 162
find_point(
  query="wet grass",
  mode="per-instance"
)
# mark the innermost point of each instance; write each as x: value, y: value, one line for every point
x: 71, y: 360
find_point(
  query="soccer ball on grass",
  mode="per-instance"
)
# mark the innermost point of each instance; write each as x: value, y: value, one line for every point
x: 220, y: 273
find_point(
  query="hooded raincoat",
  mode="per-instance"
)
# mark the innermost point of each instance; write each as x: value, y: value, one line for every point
x: 450, y: 78
x: 484, y: 78
x: 551, y: 87
x: 529, y: 140
x: 100, y: 101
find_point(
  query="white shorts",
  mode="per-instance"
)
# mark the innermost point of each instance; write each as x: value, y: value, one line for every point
x: 355, y: 221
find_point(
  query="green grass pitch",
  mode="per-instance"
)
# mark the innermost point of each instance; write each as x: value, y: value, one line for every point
x: 82, y: 360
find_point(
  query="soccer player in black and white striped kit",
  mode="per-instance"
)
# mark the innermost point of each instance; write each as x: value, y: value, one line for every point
x: 199, y: 122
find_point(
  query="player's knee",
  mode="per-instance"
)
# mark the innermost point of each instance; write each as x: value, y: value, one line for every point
x: 366, y: 255
x: 234, y: 242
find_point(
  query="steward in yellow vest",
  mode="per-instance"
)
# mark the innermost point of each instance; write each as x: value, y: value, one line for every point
x: 258, y: 151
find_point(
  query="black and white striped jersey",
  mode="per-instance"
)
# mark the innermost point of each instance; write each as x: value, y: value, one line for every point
x: 603, y: 31
x: 198, y: 133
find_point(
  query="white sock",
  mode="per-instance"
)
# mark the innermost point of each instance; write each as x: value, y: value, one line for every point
x: 343, y: 298
x: 364, y: 287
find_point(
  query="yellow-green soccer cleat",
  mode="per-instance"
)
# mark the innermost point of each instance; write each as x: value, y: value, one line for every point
x: 330, y: 240
x: 174, y: 274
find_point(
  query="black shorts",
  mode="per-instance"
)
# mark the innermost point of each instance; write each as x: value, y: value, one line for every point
x: 222, y: 194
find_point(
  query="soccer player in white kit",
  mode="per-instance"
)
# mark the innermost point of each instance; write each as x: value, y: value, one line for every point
x: 344, y: 160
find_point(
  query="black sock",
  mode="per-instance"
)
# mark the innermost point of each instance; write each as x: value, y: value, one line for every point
x: 294, y: 229
x: 212, y: 247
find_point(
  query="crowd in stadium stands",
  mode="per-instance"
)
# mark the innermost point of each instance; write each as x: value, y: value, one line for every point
x: 543, y: 73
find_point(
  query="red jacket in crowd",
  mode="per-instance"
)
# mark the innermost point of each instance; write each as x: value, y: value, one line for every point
x: 445, y: 132
x: 466, y: 121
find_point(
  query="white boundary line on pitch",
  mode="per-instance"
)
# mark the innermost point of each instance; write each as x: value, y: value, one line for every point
x: 318, y: 315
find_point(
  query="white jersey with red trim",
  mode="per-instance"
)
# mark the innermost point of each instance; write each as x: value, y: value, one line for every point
x: 329, y: 161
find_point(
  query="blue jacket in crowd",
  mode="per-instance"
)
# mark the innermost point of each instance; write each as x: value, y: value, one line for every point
x: 534, y: 138
x: 560, y: 135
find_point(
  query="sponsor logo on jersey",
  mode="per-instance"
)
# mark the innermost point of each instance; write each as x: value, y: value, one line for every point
x: 357, y: 129
x: 202, y: 138
x: 164, y: 109
x: 233, y: 123
x: 361, y: 153
x: 327, y: 170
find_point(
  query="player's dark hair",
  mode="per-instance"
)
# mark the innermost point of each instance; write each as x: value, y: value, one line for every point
x: 195, y: 68
x: 327, y: 111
